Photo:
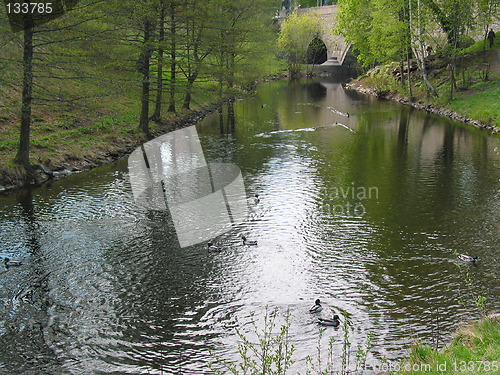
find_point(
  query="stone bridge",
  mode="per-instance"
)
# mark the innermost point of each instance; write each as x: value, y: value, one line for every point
x: 336, y: 47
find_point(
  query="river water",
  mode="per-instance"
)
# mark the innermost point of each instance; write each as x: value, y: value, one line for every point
x: 364, y: 204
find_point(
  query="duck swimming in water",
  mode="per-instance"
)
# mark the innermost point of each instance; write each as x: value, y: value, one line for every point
x: 335, y: 322
x: 256, y: 199
x: 248, y: 242
x: 12, y: 262
x: 317, y: 307
x: 467, y: 258
x: 214, y: 248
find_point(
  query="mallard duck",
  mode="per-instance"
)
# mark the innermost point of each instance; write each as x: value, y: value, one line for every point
x: 12, y: 262
x: 467, y: 258
x: 212, y: 247
x: 256, y: 199
x: 335, y: 322
x: 317, y: 307
x: 248, y: 242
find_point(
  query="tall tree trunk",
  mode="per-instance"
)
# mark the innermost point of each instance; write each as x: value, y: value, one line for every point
x: 22, y: 157
x: 189, y: 90
x: 173, y: 63
x: 144, y: 68
x: 159, y: 83
x: 408, y: 63
x: 420, y: 55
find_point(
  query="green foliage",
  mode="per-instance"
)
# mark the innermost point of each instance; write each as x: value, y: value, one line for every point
x: 475, y: 350
x: 86, y: 63
x: 389, y: 34
x: 480, y: 46
x: 270, y: 354
x: 295, y: 35
x: 354, y: 21
x: 479, y: 102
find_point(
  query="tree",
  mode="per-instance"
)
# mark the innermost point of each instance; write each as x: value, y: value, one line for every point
x: 39, y: 33
x: 196, y: 44
x: 159, y: 64
x: 173, y: 55
x: 296, y: 33
x: 354, y: 21
x: 418, y: 44
x: 486, y: 9
x: 455, y: 21
x: 144, y: 69
x: 22, y: 157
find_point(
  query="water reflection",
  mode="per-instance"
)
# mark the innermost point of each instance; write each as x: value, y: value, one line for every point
x: 106, y: 289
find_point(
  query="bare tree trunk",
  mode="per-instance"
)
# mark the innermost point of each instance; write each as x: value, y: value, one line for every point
x: 173, y: 63
x: 22, y: 157
x: 144, y: 68
x: 189, y: 90
x: 159, y: 84
x: 420, y: 55
x: 410, y: 90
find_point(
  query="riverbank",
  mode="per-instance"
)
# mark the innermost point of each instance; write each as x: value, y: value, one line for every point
x: 475, y: 349
x: 63, y: 147
x: 86, y: 148
x: 474, y: 103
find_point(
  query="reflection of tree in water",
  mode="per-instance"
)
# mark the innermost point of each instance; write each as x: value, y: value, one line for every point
x: 316, y: 91
x: 227, y: 124
x: 24, y: 346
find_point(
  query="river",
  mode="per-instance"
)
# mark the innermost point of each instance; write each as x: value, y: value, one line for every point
x: 364, y: 204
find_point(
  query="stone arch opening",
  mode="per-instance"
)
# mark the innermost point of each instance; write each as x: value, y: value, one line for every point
x: 316, y: 52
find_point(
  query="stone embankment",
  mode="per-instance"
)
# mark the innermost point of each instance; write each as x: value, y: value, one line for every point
x: 436, y: 110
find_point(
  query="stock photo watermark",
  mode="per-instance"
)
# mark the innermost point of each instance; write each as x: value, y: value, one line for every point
x: 483, y: 367
x: 348, y: 200
x: 205, y: 200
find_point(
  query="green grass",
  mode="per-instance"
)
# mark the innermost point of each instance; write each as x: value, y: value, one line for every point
x: 481, y: 45
x: 478, y: 85
x: 480, y: 102
x: 475, y: 350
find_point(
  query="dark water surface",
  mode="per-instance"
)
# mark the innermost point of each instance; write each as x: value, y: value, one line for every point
x: 365, y: 212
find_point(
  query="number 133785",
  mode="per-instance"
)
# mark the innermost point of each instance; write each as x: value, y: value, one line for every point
x: 29, y: 8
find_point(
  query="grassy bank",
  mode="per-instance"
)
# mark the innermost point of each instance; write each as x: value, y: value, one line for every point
x: 476, y: 96
x: 475, y: 350
x: 93, y: 71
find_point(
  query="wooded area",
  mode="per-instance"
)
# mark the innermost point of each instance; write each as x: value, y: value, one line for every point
x: 388, y: 30
x: 166, y: 51
x: 105, y: 62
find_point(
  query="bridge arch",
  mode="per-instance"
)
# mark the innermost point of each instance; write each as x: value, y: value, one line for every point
x: 317, y: 52
x: 336, y: 45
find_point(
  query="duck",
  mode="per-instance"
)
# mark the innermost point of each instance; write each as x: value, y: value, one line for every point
x: 467, y: 258
x: 12, y: 262
x: 248, y: 242
x: 335, y: 322
x: 317, y: 307
x: 256, y: 199
x: 212, y: 247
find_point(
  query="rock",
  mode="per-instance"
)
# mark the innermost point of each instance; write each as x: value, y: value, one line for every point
x: 46, y: 170
x: 40, y: 177
x: 69, y: 167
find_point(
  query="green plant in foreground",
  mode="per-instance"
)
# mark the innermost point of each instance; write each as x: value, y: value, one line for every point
x: 270, y: 355
x: 271, y: 352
